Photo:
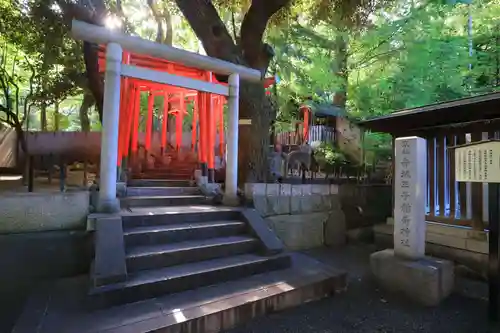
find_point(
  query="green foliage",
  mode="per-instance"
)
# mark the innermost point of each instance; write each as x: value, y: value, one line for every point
x: 377, y: 147
x: 41, y: 34
x: 399, y: 54
x: 327, y: 154
x: 405, y: 56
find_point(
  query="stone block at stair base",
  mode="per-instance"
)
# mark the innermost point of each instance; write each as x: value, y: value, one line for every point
x: 109, y: 264
x: 299, y: 232
x: 427, y: 281
x: 270, y: 242
x: 108, y: 206
x: 121, y: 189
x: 231, y: 201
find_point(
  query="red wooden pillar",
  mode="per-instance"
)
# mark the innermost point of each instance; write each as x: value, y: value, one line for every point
x: 120, y: 125
x: 194, y: 124
x: 149, y: 123
x: 124, y: 98
x: 306, y: 124
x: 135, y: 124
x: 220, y: 112
x: 164, y: 125
x: 179, y: 122
x: 203, y: 131
x: 210, y: 138
x: 199, y: 106
x: 130, y: 118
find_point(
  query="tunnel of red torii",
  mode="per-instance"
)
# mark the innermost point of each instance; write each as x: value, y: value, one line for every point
x: 208, y: 110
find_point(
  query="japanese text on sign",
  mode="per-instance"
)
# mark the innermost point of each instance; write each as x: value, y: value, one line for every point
x: 478, y: 162
x: 405, y: 207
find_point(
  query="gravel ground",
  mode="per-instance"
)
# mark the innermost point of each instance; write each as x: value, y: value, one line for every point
x: 365, y: 308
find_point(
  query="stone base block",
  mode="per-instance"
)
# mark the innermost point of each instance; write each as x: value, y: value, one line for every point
x: 232, y: 201
x: 121, y: 189
x: 109, y: 206
x: 299, y: 232
x: 427, y: 281
x: 109, y: 263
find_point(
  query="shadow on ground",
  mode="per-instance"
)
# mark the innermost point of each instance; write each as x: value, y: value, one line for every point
x: 362, y: 308
x: 366, y: 308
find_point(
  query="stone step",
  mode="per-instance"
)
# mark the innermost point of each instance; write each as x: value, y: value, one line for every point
x: 171, y: 168
x: 164, y: 255
x: 208, y: 309
x: 172, y: 233
x: 161, y: 191
x: 158, y: 183
x: 156, y: 216
x: 153, y: 283
x: 158, y: 201
x: 169, y: 176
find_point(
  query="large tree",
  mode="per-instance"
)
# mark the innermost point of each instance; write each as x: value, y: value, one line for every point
x: 208, y: 26
x: 250, y: 50
x: 246, y: 48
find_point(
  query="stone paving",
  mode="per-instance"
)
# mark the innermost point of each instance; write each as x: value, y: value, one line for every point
x: 366, y: 308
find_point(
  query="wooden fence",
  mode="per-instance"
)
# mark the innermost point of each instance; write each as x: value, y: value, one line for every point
x: 316, y: 133
x: 449, y: 201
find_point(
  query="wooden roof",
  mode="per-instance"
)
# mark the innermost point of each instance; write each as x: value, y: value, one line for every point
x: 482, y: 109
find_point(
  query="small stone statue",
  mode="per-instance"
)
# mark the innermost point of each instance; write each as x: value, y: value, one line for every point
x: 276, y: 159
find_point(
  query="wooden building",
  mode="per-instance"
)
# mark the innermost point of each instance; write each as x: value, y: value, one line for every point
x: 322, y: 122
x: 444, y: 125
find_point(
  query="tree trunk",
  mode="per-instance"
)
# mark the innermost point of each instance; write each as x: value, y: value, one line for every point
x: 87, y: 102
x: 94, y: 14
x: 253, y: 140
x: 205, y: 21
x: 159, y: 21
x: 21, y: 138
x: 162, y: 37
x: 43, y: 117
x: 340, y: 68
x: 56, y: 116
x: 45, y: 68
x: 169, y: 28
x: 95, y: 82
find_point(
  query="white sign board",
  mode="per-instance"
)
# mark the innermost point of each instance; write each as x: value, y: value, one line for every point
x: 478, y: 162
x: 410, y: 188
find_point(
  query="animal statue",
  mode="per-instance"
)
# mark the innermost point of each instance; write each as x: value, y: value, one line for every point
x: 300, y: 160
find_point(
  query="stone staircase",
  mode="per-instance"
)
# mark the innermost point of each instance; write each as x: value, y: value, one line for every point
x: 182, y: 249
x: 179, y: 265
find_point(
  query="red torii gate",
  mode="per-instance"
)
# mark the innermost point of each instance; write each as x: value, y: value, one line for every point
x: 208, y: 109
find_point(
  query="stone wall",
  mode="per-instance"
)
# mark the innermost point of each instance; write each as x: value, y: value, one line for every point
x: 365, y: 205
x: 303, y: 216
x: 89, y: 143
x: 43, y: 211
x: 42, y: 237
x: 460, y: 244
x: 28, y: 259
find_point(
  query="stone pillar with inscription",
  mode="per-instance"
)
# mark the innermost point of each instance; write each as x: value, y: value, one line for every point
x: 410, y: 183
x: 406, y: 268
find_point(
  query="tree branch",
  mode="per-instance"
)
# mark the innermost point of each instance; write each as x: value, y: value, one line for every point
x: 257, y: 54
x: 3, y: 83
x: 96, y: 15
x: 363, y: 63
x: 318, y: 40
x: 158, y: 18
x: 209, y: 28
x: 233, y: 24
x: 11, y: 119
